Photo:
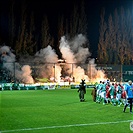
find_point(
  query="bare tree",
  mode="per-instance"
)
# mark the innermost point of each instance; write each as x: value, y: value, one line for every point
x: 45, y: 35
x: 82, y: 28
x: 116, y: 31
x: 12, y: 26
x: 123, y: 39
x: 61, y: 29
x: 31, y: 35
x: 78, y: 20
x: 115, y: 40
x: 110, y: 40
x: 74, y: 22
x: 102, y: 46
x: 20, y: 45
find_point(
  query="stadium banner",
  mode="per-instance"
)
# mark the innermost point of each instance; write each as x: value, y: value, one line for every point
x: 108, y: 67
x: 63, y: 85
x: 6, y: 86
x: 42, y: 86
x: 16, y: 86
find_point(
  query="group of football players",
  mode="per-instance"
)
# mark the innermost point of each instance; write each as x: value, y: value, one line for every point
x: 107, y: 92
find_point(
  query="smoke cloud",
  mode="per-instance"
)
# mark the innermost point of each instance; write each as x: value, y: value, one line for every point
x: 74, y: 51
x: 45, y: 63
x: 22, y: 74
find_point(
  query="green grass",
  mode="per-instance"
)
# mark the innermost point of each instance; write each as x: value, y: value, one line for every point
x: 37, y: 111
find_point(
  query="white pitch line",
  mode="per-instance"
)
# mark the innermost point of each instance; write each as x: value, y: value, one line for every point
x: 64, y: 126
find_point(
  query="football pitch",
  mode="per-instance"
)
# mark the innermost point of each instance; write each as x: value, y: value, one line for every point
x: 59, y: 111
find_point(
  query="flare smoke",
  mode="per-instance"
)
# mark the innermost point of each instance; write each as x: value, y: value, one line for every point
x: 45, y: 62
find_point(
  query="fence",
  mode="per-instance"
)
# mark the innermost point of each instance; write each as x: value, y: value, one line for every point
x: 67, y: 72
x: 118, y: 72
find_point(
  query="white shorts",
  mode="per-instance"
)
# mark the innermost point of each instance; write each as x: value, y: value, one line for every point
x: 98, y: 92
x: 111, y: 96
x: 103, y: 94
x: 118, y: 96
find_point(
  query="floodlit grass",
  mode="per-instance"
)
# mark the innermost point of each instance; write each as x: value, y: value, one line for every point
x: 59, y: 111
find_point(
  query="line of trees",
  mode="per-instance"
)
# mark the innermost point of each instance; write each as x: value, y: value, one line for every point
x: 28, y: 32
x: 116, y: 38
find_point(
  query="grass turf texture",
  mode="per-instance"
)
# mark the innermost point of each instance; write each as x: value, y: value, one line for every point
x: 51, y: 111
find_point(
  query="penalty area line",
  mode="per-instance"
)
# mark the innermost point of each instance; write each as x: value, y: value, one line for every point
x: 64, y: 126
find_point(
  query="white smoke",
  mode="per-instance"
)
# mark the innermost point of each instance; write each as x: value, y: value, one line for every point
x: 6, y: 54
x: 81, y: 53
x: 66, y: 51
x: 95, y: 75
x: 45, y: 62
x: 73, y: 51
x: 48, y: 60
x: 21, y: 74
x: 46, y: 55
x: 69, y: 56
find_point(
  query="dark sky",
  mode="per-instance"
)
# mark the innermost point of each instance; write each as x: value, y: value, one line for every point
x: 53, y: 7
x: 93, y: 8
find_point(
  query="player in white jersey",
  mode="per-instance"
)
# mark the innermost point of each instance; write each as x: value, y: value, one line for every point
x: 118, y: 94
x: 112, y: 92
x: 103, y: 93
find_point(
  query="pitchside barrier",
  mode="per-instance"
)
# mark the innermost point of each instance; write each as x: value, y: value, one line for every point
x: 42, y: 86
